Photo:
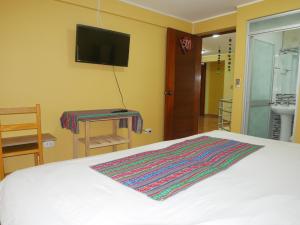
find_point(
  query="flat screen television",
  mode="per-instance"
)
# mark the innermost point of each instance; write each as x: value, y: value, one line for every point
x: 101, y: 46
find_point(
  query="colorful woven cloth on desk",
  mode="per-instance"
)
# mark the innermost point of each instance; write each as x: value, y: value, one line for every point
x: 70, y: 119
x: 164, y: 172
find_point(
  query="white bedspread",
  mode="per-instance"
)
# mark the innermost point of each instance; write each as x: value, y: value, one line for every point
x: 261, y: 189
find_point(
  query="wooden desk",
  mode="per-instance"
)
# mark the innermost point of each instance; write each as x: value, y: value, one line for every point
x: 92, y: 142
x: 132, y: 120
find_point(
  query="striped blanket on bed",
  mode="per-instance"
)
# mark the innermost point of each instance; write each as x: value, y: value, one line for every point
x: 165, y: 172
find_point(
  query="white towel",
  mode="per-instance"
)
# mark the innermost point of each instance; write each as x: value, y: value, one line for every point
x: 285, y: 63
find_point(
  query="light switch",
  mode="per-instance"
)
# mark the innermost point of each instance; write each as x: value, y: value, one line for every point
x: 238, y: 83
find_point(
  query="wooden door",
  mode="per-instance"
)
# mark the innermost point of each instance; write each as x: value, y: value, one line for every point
x: 182, y: 90
x: 202, y: 89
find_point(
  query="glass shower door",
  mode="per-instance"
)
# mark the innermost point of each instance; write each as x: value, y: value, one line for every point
x: 261, y: 70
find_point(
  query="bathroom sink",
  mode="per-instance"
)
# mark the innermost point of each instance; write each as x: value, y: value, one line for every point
x: 283, y: 109
x: 286, y: 113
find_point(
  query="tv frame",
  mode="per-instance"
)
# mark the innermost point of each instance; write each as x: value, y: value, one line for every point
x: 106, y: 30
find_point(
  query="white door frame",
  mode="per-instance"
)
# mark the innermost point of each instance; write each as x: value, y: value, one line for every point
x: 247, y: 78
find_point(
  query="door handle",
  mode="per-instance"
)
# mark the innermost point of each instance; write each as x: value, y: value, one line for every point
x: 169, y: 93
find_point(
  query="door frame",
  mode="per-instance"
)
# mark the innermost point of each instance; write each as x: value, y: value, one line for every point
x: 202, y: 89
x: 172, y: 48
x: 247, y: 72
x: 206, y: 35
x: 247, y: 87
x: 197, y: 85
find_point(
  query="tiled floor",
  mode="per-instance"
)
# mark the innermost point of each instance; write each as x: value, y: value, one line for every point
x: 207, y: 123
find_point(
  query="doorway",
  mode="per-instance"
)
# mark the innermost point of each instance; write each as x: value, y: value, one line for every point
x: 216, y: 82
x: 273, y: 77
x: 182, y: 86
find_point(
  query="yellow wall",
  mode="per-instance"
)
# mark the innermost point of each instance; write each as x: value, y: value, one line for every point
x: 243, y: 15
x: 121, y: 9
x: 228, y: 75
x: 222, y: 23
x: 37, y: 65
x: 214, y: 87
x: 37, y: 61
x: 228, y: 80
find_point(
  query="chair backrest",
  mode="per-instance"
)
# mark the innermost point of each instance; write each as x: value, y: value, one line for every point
x: 23, y: 126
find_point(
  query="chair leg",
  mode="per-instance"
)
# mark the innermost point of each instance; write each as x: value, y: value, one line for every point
x: 36, y: 159
x: 1, y: 169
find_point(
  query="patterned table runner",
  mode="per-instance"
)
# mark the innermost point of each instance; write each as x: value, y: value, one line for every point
x: 165, y: 172
x: 70, y: 119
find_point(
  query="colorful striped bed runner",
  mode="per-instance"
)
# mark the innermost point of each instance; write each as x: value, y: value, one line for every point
x: 165, y: 172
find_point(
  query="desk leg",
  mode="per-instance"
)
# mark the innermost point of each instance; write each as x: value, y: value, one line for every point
x: 1, y: 160
x: 36, y: 159
x: 87, y: 137
x: 75, y: 146
x: 115, y: 127
x: 129, y: 131
x: 1, y: 168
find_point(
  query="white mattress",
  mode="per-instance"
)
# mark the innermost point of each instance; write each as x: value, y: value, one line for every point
x: 261, y: 189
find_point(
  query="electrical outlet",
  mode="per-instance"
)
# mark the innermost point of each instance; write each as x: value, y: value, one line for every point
x: 49, y: 144
x: 148, y: 131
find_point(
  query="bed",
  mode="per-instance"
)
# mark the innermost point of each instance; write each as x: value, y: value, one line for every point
x: 261, y: 189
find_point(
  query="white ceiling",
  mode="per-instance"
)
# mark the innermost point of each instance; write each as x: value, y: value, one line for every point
x: 191, y: 10
x: 211, y: 45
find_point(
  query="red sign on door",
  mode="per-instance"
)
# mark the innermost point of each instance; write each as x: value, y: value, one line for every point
x: 185, y: 44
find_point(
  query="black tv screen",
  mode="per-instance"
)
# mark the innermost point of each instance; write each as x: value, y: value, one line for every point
x: 101, y: 46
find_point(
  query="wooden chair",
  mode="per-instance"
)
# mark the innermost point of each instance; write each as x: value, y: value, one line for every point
x: 35, y: 148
